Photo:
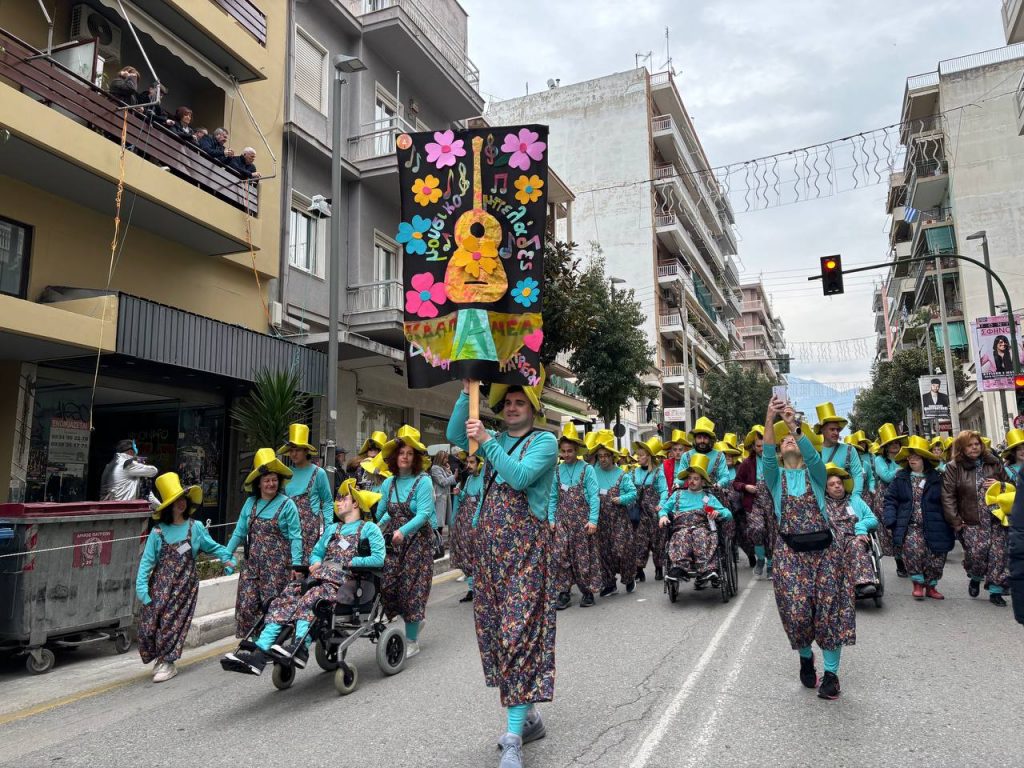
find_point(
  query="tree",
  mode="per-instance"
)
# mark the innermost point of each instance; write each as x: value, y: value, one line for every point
x: 568, y: 299
x: 738, y: 398
x: 264, y: 414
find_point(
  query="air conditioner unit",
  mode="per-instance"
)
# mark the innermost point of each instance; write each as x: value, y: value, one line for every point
x: 87, y: 24
x: 276, y: 314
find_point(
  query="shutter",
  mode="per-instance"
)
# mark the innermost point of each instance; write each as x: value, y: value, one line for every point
x: 308, y: 72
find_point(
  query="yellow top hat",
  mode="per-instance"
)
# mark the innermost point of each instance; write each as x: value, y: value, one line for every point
x: 603, y: 438
x: 298, y: 437
x: 265, y: 462
x: 498, y: 392
x: 590, y: 441
x: 731, y: 440
x: 857, y: 439
x: 744, y: 453
x: 887, y: 434
x: 376, y: 466
x: 377, y: 440
x: 729, y: 449
x: 698, y: 464
x: 168, y: 488
x: 987, y: 442
x: 1014, y: 438
x: 873, y: 450
x: 704, y: 426
x: 679, y: 437
x: 755, y: 432
x: 405, y: 435
x: 571, y: 434
x: 937, y: 441
x: 918, y: 445
x: 652, y: 445
x: 364, y: 499
x: 827, y: 415
x: 781, y: 429
x: 1000, y: 496
x: 832, y: 469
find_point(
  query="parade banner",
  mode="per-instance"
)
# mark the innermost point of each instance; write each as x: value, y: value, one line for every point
x: 474, y: 210
x: 993, y: 359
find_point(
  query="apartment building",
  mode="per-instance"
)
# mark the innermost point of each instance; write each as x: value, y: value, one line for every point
x: 645, y: 195
x: 764, y: 347
x: 962, y: 182
x: 152, y: 338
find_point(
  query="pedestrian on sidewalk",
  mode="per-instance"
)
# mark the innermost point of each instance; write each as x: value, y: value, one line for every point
x: 890, y: 443
x: 269, y: 527
x: 913, y: 512
x: 309, y: 487
x: 406, y: 516
x: 167, y: 583
x: 853, y: 520
x: 463, y: 540
x: 615, y: 535
x: 812, y: 593
x: 688, y: 512
x: 967, y: 478
x: 652, y: 492
x: 514, y: 600
x: 444, y: 480
x: 573, y: 509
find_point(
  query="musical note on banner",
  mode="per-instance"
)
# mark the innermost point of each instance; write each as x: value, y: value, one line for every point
x: 448, y: 190
x: 447, y: 242
x: 414, y: 156
x: 503, y: 178
x: 463, y: 180
x: 490, y: 151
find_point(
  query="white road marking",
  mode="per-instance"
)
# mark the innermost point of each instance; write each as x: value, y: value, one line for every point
x: 654, y: 738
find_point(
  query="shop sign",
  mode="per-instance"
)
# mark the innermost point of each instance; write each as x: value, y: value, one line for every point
x: 69, y: 441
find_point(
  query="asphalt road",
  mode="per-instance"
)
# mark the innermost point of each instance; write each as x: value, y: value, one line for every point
x: 641, y: 684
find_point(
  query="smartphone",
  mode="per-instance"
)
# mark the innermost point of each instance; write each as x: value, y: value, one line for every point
x: 781, y: 392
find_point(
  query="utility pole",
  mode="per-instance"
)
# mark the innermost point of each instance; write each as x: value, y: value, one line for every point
x: 931, y: 372
x: 685, y: 316
x: 954, y: 405
x: 983, y: 236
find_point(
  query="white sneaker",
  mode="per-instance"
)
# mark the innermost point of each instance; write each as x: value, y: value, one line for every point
x: 461, y: 578
x: 164, y: 672
x: 411, y: 649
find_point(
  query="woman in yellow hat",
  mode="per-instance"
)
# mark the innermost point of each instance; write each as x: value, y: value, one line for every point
x: 649, y: 481
x: 463, y: 540
x: 938, y: 449
x: 309, y: 487
x: 269, y: 527
x: 406, y: 517
x: 372, y: 474
x: 850, y: 516
x: 167, y: 583
x: 755, y: 517
x: 573, y: 509
x: 913, y: 511
x: 693, y: 546
x: 860, y: 442
x: 1013, y: 455
x: 369, y: 451
x: 812, y: 590
x: 616, y: 537
x: 336, y: 552
x: 676, y: 447
x: 890, y: 442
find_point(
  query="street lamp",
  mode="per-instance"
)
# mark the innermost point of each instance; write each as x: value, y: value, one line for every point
x: 343, y: 65
x: 613, y: 281
x: 983, y: 236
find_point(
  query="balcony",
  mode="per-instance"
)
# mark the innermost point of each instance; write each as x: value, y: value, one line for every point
x: 929, y: 181
x: 671, y: 325
x: 375, y: 310
x: 673, y: 235
x: 62, y: 134
x: 925, y: 277
x: 676, y: 376
x: 428, y: 45
x: 1013, y: 21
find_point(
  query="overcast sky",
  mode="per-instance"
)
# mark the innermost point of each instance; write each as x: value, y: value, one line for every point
x: 758, y: 77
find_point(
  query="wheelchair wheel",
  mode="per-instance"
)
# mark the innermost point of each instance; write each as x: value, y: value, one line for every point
x: 283, y: 677
x: 391, y: 651
x: 724, y: 556
x: 672, y: 587
x: 878, y: 601
x: 327, y: 664
x: 346, y: 679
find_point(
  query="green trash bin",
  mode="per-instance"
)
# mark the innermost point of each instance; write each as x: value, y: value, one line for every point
x: 67, y: 576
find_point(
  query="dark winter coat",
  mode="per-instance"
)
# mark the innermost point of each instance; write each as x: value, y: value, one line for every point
x: 899, y: 507
x: 125, y: 90
x: 959, y: 492
x: 213, y: 148
x: 1017, y: 556
x: 242, y: 168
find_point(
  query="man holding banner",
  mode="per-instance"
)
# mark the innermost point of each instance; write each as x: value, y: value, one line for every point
x: 474, y: 206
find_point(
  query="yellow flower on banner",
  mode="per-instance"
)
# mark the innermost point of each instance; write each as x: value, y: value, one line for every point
x: 476, y: 256
x: 529, y: 188
x: 427, y: 190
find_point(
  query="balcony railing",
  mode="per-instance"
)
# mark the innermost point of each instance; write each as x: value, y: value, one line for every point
x: 375, y: 297
x: 678, y: 371
x: 51, y: 84
x: 246, y: 13
x: 675, y: 269
x: 671, y: 322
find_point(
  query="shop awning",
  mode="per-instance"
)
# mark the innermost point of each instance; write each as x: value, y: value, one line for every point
x: 567, y: 412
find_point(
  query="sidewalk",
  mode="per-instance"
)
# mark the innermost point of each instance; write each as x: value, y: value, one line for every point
x: 94, y: 669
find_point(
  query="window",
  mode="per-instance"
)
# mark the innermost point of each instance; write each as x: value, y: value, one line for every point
x: 385, y: 259
x: 307, y: 238
x: 372, y: 417
x: 15, y: 247
x: 309, y: 76
x: 385, y: 113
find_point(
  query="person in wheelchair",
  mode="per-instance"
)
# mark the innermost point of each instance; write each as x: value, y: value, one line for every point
x: 851, y: 516
x: 351, y: 543
x: 689, y: 510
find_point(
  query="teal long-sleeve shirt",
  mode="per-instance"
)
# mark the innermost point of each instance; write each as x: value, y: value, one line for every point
x: 287, y: 522
x: 1013, y: 472
x: 839, y: 455
x: 473, y: 486
x: 685, y: 500
x: 868, y: 465
x: 569, y: 475
x: 885, y: 469
x: 651, y: 479
x: 370, y: 532
x: 422, y: 504
x: 717, y: 467
x: 321, y: 498
x: 796, y: 479
x: 533, y: 473
x: 173, y: 535
x: 606, y: 480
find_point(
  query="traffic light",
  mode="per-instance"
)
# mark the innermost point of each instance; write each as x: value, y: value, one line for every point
x: 831, y: 275
x: 1018, y: 386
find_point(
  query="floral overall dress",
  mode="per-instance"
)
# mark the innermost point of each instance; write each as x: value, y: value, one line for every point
x: 463, y: 536
x: 311, y: 523
x: 174, y: 587
x: 884, y: 533
x: 514, y: 605
x: 409, y: 569
x: 265, y: 572
x: 986, y: 545
x: 577, y: 558
x: 693, y: 546
x: 649, y: 536
x: 616, y: 539
x: 858, y: 559
x: 917, y: 558
x: 812, y: 592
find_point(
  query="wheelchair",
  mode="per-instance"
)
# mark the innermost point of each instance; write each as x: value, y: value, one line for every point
x: 725, y: 559
x: 876, y: 565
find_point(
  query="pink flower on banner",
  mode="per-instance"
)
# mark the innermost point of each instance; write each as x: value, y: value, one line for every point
x: 443, y: 150
x: 523, y: 147
x: 425, y: 295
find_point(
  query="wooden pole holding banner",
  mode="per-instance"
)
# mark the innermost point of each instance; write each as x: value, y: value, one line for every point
x: 474, y: 410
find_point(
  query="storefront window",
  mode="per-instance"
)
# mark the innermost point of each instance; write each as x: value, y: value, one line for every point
x: 59, y: 449
x: 433, y: 430
x: 200, y: 444
x: 372, y: 417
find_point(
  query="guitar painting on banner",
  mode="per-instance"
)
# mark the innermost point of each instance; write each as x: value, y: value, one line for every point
x: 474, y: 214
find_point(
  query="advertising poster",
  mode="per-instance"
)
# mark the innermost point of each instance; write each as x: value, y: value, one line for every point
x: 993, y: 359
x: 935, y: 397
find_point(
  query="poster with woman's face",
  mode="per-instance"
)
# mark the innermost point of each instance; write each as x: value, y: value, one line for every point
x: 993, y: 355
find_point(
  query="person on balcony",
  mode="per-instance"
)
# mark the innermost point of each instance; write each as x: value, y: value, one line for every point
x: 155, y: 112
x: 216, y: 146
x: 183, y: 125
x: 125, y: 87
x: 243, y: 165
